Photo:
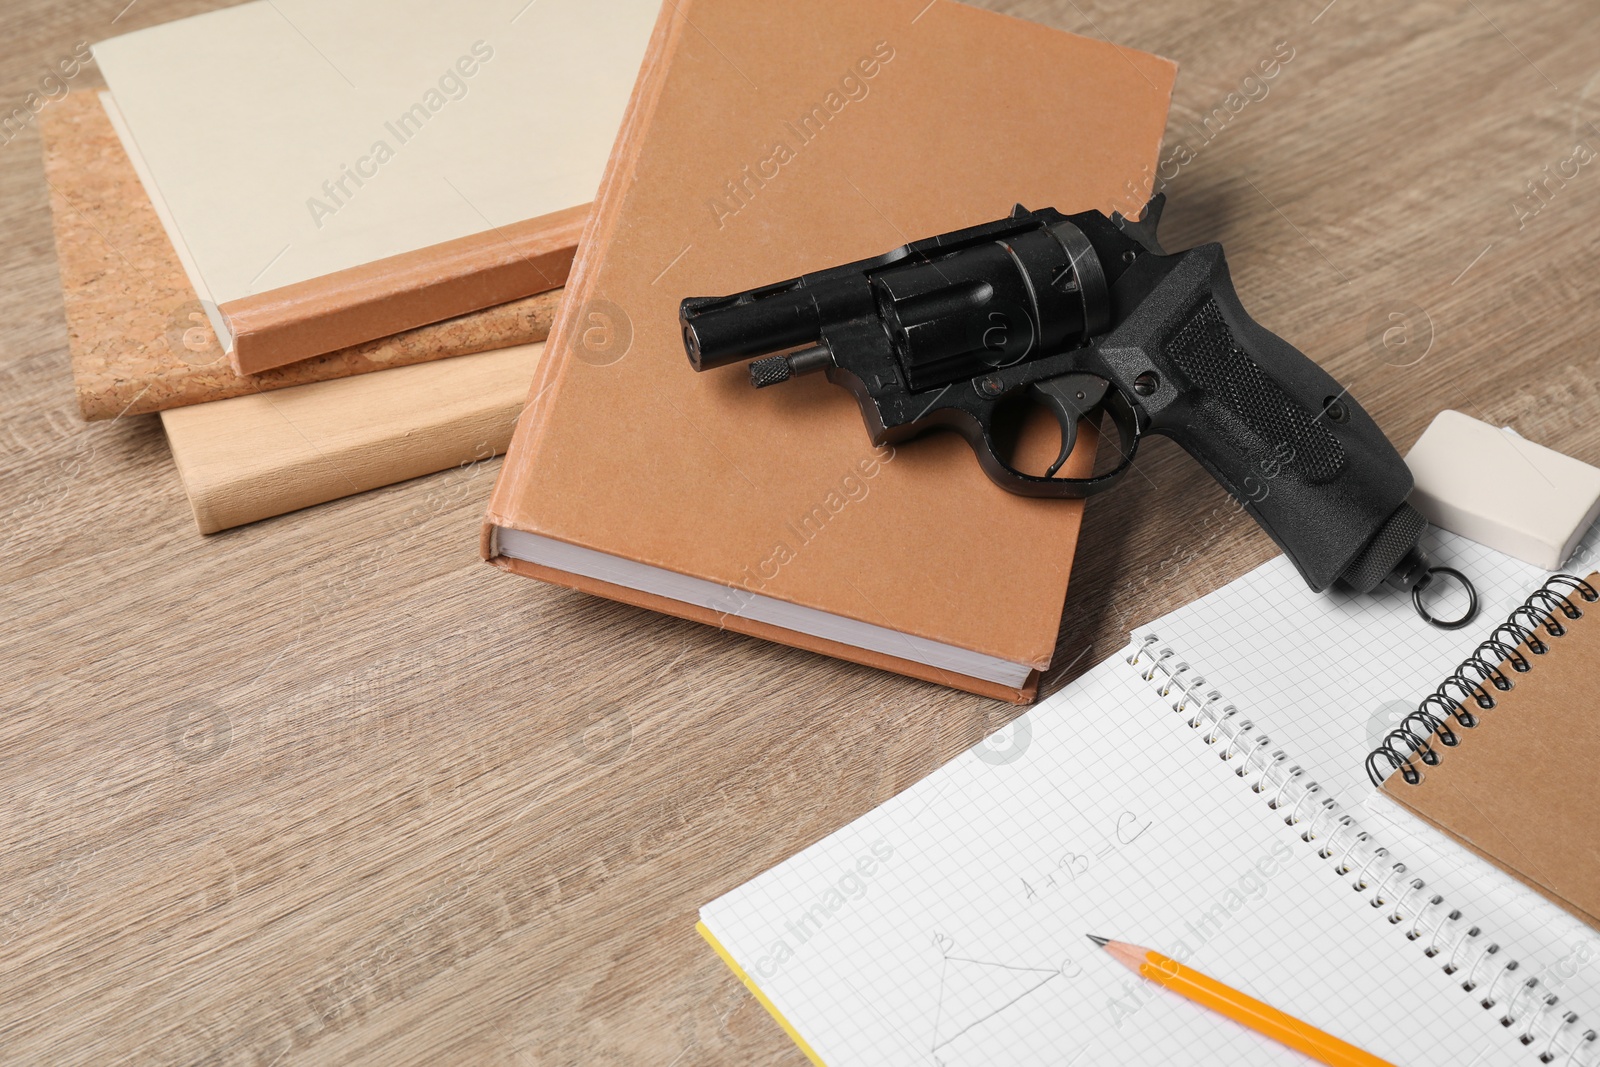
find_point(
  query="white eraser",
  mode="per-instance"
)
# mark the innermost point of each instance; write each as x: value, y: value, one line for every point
x: 1502, y: 490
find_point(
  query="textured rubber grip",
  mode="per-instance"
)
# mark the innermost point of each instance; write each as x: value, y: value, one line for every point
x: 1277, y: 431
x: 1206, y: 350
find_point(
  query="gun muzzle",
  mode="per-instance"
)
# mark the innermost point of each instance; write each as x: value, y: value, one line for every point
x: 718, y: 331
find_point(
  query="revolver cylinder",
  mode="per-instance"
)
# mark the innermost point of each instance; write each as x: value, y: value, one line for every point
x: 982, y: 307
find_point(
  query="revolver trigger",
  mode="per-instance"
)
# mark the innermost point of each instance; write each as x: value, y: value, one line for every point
x: 1070, y: 397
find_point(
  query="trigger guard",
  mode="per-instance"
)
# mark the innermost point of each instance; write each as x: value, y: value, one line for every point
x: 1007, y: 477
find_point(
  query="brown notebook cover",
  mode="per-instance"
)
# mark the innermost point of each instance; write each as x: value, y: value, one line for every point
x: 1518, y: 788
x: 139, y: 340
x: 764, y: 141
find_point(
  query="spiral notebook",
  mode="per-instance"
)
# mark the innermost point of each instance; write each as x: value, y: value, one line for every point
x: 947, y: 926
x: 1330, y: 674
x: 1503, y: 755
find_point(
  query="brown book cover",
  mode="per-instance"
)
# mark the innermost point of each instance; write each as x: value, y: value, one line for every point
x: 138, y: 337
x: 764, y: 141
x: 1517, y: 787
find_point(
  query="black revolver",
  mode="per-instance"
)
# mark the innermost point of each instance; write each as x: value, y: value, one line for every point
x: 1083, y: 314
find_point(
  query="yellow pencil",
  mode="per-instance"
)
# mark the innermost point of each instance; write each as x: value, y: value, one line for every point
x: 1245, y: 1010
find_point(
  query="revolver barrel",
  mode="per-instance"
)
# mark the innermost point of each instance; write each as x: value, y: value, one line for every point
x: 718, y: 331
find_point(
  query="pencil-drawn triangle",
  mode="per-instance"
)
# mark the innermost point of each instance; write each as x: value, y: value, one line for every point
x: 971, y: 991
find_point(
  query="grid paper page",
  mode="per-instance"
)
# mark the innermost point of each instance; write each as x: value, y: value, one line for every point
x: 947, y: 926
x: 1326, y: 675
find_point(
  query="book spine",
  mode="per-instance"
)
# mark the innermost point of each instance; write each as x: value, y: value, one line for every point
x: 594, y: 243
x: 359, y: 304
x: 256, y: 457
x: 108, y: 391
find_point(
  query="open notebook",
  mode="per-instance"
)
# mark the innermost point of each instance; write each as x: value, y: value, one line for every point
x: 947, y: 926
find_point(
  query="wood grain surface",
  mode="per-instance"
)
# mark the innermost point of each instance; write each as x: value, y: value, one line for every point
x: 327, y: 789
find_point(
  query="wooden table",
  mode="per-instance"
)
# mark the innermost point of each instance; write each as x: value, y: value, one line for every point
x: 328, y: 789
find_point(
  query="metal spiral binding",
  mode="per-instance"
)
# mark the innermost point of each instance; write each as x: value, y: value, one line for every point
x: 1478, y: 678
x: 1526, y: 1007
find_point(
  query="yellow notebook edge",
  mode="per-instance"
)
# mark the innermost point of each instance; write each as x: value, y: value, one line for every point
x: 755, y: 991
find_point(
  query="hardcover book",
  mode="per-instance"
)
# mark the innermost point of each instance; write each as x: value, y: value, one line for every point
x: 764, y: 141
x: 334, y: 173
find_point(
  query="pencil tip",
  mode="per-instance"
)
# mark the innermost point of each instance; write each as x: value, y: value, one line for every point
x: 1101, y: 941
